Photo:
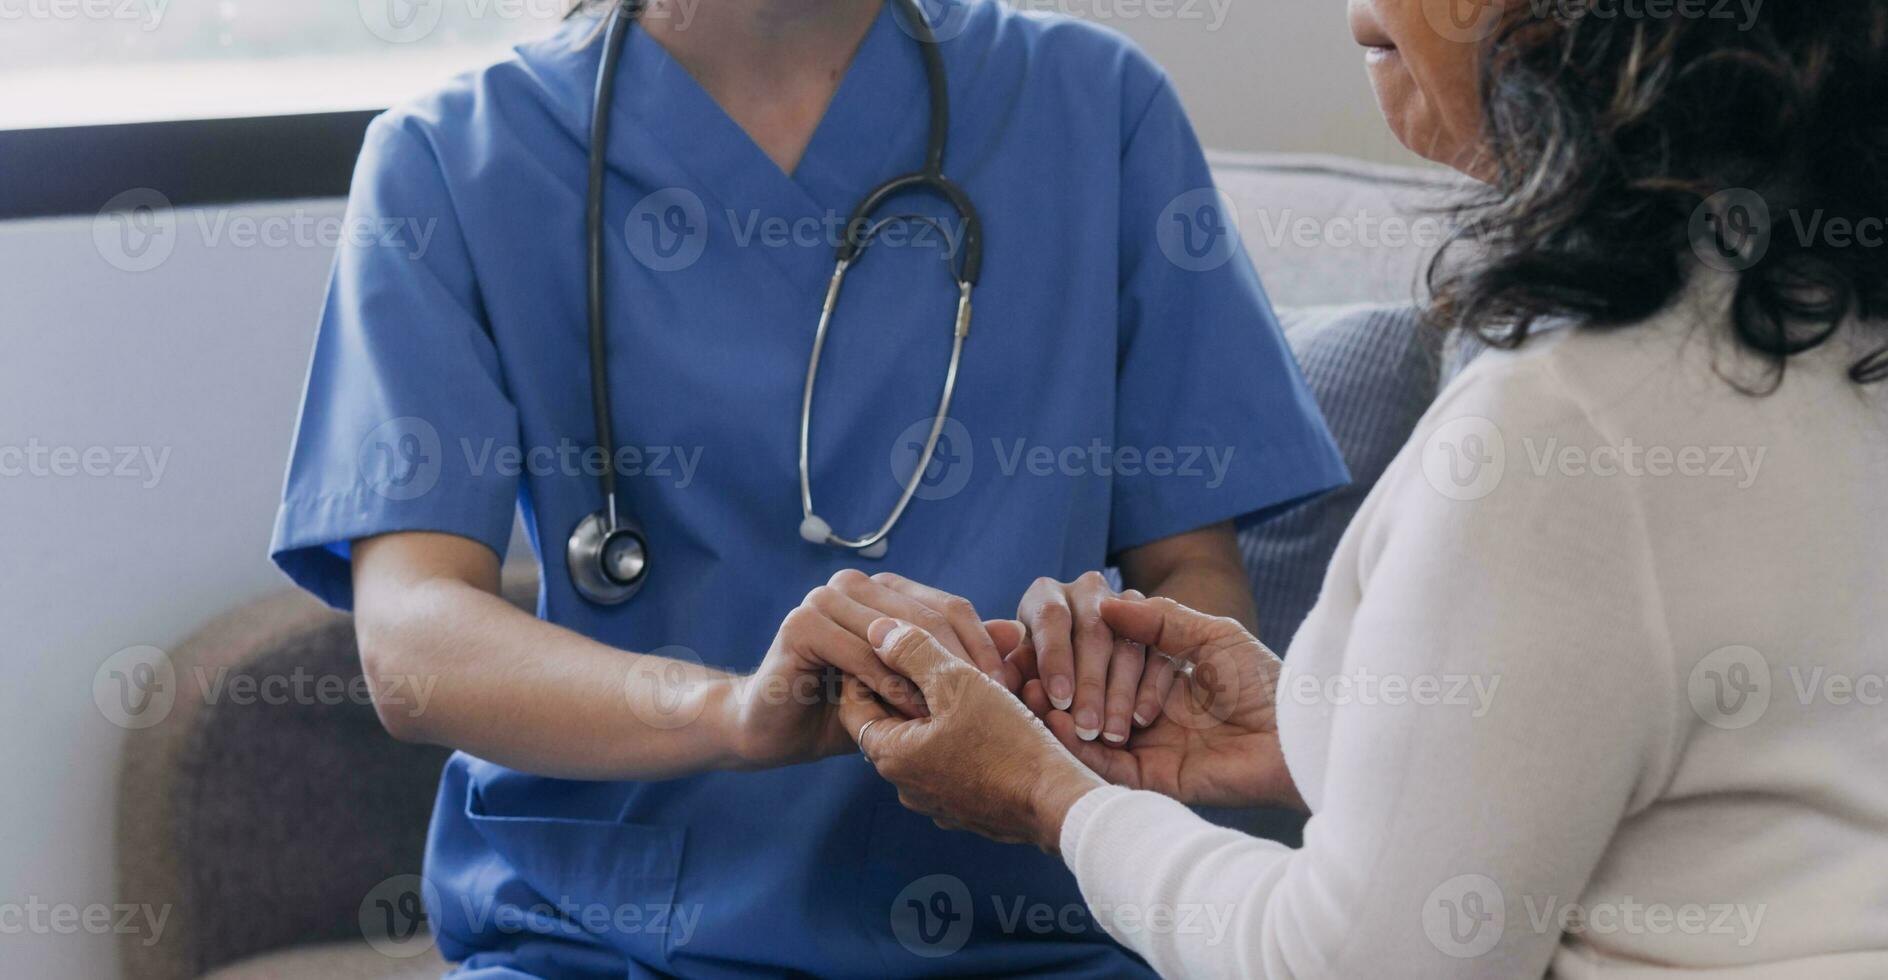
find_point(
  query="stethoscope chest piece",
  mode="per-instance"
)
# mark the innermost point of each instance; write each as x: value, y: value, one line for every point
x: 609, y: 559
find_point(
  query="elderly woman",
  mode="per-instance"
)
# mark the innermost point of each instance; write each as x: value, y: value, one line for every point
x: 1594, y: 687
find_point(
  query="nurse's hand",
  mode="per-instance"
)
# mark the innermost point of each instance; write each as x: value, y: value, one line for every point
x: 787, y: 711
x: 1106, y: 683
x: 1217, y: 743
x: 980, y: 762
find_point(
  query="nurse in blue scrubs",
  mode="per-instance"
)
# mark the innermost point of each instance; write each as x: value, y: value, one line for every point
x: 661, y: 787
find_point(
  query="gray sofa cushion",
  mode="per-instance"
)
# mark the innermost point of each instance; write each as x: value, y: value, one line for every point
x: 1373, y: 371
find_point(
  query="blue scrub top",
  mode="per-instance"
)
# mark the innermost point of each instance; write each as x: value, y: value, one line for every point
x: 1125, y: 381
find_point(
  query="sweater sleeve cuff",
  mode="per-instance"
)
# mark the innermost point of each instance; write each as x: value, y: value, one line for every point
x: 1080, y: 815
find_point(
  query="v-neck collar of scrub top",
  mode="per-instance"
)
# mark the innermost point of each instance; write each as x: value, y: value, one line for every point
x: 879, y: 104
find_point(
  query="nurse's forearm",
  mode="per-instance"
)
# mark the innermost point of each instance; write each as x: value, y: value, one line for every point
x: 1199, y: 569
x: 453, y: 664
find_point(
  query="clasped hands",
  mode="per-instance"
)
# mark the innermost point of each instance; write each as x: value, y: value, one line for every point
x: 998, y: 727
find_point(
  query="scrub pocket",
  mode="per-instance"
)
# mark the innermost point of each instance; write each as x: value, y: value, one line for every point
x: 952, y: 904
x: 588, y: 882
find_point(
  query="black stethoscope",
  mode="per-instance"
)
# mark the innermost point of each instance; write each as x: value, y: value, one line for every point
x: 608, y: 552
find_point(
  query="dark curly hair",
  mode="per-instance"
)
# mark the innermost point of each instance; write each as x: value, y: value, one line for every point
x: 1622, y: 148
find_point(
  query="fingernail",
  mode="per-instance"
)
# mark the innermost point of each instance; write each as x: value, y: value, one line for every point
x: 1062, y: 694
x: 885, y: 632
x: 1115, y: 739
x: 1138, y: 720
x: 1087, y: 726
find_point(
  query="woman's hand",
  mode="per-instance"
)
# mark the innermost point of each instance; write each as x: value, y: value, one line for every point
x: 1216, y: 743
x: 787, y: 712
x: 1105, y: 682
x: 980, y: 761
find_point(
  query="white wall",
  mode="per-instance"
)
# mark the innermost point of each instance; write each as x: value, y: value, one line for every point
x: 200, y: 362
x: 1260, y: 75
x: 201, y: 359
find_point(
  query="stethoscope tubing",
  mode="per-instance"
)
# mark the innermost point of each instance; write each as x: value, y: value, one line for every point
x: 590, y: 543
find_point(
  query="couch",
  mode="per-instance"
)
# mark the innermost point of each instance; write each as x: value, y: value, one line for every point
x: 276, y: 833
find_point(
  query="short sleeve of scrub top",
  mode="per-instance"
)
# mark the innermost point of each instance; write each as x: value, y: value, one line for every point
x: 1214, y: 419
x: 404, y: 373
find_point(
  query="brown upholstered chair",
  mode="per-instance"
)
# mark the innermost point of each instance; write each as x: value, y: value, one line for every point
x: 265, y: 828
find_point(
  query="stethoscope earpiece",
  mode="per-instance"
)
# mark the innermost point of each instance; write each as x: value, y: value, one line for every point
x: 815, y: 530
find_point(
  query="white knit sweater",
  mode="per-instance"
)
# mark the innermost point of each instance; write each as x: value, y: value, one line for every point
x: 1595, y: 687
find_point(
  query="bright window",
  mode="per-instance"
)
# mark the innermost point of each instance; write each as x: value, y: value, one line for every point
x: 86, y: 62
